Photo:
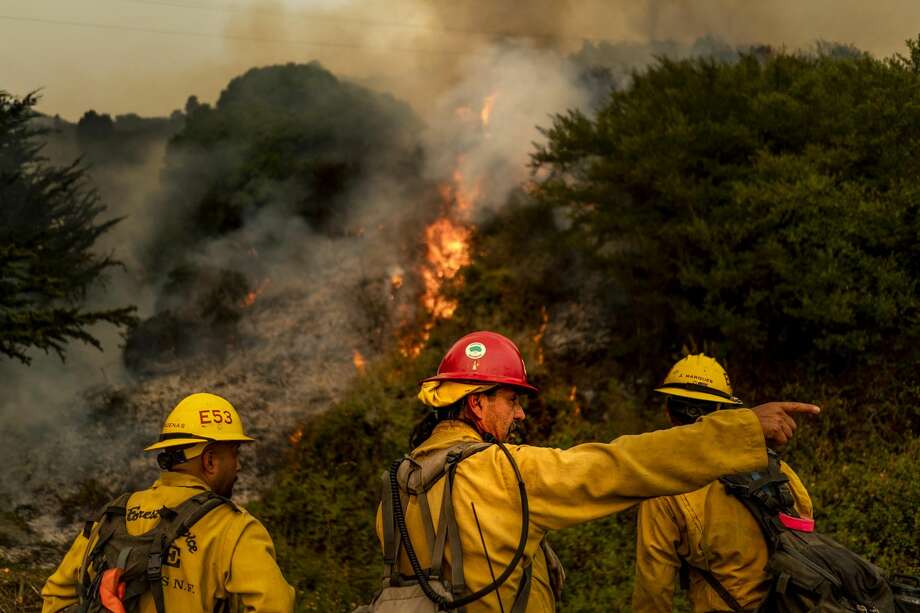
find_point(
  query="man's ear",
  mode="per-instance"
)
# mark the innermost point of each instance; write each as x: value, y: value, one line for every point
x: 475, y: 405
x: 208, y: 464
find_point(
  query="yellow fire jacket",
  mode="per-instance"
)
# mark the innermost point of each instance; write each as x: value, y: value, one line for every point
x: 711, y: 529
x: 230, y: 556
x: 568, y: 487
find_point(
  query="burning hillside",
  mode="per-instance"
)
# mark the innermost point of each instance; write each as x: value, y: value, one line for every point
x: 276, y: 279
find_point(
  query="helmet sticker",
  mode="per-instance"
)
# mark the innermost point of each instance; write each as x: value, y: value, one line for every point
x: 475, y: 351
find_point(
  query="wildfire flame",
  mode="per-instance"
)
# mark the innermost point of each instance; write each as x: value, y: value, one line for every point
x: 396, y: 280
x: 295, y: 437
x: 486, y: 111
x: 573, y: 399
x: 447, y: 244
x: 447, y: 240
x: 358, y: 360
x: 538, y: 337
x: 251, y: 296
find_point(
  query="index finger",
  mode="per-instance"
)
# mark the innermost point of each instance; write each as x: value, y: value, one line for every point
x: 799, y: 407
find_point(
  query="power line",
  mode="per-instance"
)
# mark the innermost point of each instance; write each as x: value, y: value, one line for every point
x: 228, y: 8
x: 306, y: 43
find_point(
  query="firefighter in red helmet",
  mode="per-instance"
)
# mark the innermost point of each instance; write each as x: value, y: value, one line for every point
x: 464, y: 518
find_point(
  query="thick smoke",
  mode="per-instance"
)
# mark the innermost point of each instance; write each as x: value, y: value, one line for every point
x: 414, y: 49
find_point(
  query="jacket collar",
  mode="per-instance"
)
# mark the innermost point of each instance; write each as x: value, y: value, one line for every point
x: 447, y: 434
x: 174, y: 479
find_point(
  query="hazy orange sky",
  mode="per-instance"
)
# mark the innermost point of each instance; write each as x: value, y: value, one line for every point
x: 148, y: 56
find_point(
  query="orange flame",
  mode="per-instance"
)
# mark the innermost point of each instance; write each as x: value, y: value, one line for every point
x: 411, y: 347
x: 396, y: 280
x: 538, y: 337
x: 486, y: 111
x: 358, y: 360
x: 447, y: 252
x: 295, y: 436
x: 573, y: 399
x: 465, y: 197
x: 251, y: 296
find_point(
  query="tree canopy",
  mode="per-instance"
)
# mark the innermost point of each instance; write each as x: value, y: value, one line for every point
x: 48, y: 227
x: 768, y: 205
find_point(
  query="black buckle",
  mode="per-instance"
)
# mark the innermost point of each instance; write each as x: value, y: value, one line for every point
x: 154, y: 566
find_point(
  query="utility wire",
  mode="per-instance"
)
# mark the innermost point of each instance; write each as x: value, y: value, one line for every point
x: 307, y: 43
x: 226, y: 8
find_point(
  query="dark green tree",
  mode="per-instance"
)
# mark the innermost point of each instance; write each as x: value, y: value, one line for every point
x: 48, y: 226
x: 768, y: 206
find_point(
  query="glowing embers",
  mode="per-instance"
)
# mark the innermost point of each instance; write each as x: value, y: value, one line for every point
x: 252, y: 295
x: 359, y: 362
x: 486, y: 113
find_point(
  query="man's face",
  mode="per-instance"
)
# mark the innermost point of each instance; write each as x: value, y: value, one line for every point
x: 223, y: 467
x: 499, y: 412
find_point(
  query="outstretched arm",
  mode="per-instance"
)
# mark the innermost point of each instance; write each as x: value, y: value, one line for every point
x: 590, y: 481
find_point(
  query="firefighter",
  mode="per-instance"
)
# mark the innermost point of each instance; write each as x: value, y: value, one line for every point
x: 220, y: 557
x: 705, y: 534
x: 476, y: 396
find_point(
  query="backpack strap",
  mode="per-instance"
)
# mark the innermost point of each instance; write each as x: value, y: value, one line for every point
x: 765, y: 496
x: 523, y: 593
x: 457, y: 581
x: 173, y: 525
x: 391, y: 541
x: 412, y: 482
x: 106, y: 525
x: 719, y: 589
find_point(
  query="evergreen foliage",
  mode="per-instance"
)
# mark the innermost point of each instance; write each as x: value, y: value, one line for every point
x: 770, y: 203
x: 48, y: 226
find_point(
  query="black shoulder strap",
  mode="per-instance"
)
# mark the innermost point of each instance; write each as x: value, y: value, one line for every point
x: 765, y: 495
x: 109, y: 521
x: 720, y: 590
x: 715, y: 584
x: 173, y: 525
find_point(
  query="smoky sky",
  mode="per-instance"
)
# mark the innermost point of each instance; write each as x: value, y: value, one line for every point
x: 147, y: 56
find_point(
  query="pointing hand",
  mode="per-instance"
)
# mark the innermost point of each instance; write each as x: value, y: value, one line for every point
x: 777, y: 422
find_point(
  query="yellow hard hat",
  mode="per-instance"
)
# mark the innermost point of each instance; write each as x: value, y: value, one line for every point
x: 699, y: 377
x: 200, y: 418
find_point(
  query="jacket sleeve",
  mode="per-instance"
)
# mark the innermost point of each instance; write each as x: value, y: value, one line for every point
x: 593, y: 480
x: 60, y: 591
x: 254, y: 577
x: 802, y: 499
x: 660, y: 540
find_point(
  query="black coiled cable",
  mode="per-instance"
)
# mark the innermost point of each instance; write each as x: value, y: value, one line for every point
x: 400, y: 518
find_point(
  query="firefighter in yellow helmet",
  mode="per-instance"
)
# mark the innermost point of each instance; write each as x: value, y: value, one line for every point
x: 706, y: 538
x: 476, y: 512
x: 180, y: 545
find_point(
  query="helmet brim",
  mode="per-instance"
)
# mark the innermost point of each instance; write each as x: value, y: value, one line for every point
x: 176, y: 442
x: 695, y: 395
x: 465, y: 378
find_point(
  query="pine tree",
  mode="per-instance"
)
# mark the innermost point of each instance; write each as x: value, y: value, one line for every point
x: 48, y: 226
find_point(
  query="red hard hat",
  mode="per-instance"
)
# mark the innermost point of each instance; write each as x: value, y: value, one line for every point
x: 484, y: 357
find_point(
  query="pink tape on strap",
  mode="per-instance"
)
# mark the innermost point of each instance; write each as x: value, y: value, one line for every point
x: 799, y: 524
